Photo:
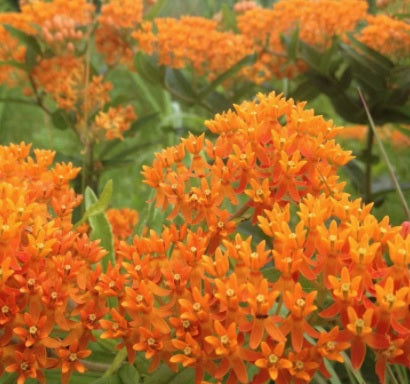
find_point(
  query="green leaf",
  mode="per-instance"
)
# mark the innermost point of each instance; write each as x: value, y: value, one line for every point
x: 116, y: 364
x: 271, y: 273
x: 400, y: 76
x: 96, y: 206
x: 346, y: 77
x: 382, y: 62
x: 330, y: 59
x: 292, y: 44
x: 228, y: 74
x: 139, y: 123
x: 311, y: 55
x: 8, y: 378
x: 178, y: 85
x: 147, y: 68
x: 356, y: 175
x: 129, y: 374
x: 164, y: 375
x: 33, y: 49
x: 368, y: 73
x: 113, y: 379
x: 62, y: 119
x: 216, y: 102
x: 27, y: 40
x: 305, y: 91
x: 101, y: 228
x: 13, y: 63
x: 228, y: 18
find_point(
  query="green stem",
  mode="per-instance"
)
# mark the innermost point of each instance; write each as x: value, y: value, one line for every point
x: 94, y: 366
x: 386, y: 158
x: 240, y: 211
x: 368, y: 171
x: 116, y: 364
x: 391, y: 375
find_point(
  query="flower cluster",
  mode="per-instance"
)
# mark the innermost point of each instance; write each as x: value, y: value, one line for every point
x: 112, y: 36
x: 10, y: 49
x: 194, y: 42
x: 387, y: 35
x: 47, y: 307
x: 387, y: 132
x: 202, y: 295
x: 123, y: 222
x: 318, y: 22
x: 61, y: 72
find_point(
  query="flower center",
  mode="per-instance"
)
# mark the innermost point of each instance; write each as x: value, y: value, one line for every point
x: 390, y: 298
x: 260, y: 298
x: 330, y: 346
x: 300, y: 302
x: 299, y: 365
x: 187, y: 351
x: 359, y: 324
x: 273, y: 359
x: 72, y: 356
x: 32, y: 330
x: 224, y: 339
x: 151, y: 341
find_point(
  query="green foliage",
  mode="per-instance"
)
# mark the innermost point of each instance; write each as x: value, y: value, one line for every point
x: 101, y: 228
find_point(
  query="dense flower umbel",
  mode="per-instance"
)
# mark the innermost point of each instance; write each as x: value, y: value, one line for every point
x: 318, y: 22
x: 45, y: 267
x: 194, y: 42
x: 387, y: 35
x: 200, y: 296
x: 61, y: 73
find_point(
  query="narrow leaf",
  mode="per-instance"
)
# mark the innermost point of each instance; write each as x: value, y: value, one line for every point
x: 61, y: 119
x: 247, y: 60
x: 177, y: 84
x: 116, y: 364
x: 96, y: 206
x: 147, y: 68
x: 101, y: 228
x: 26, y: 39
x: 164, y: 375
x: 129, y: 374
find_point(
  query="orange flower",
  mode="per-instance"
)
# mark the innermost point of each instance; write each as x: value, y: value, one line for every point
x: 386, y: 35
x: 227, y: 346
x: 300, y: 304
x: 345, y: 291
x: 26, y: 366
x: 152, y: 343
x: 362, y: 333
x: 261, y: 301
x: 329, y: 345
x: 193, y: 356
x: 273, y: 362
x: 70, y: 360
